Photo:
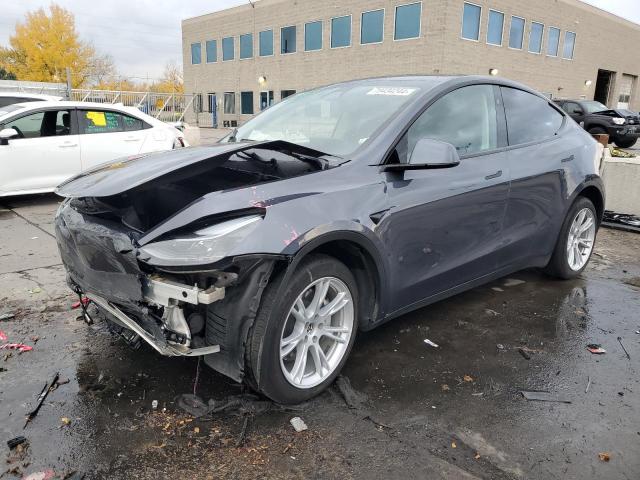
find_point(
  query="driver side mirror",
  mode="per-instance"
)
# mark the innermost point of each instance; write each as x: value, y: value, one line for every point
x: 6, y: 134
x: 428, y: 154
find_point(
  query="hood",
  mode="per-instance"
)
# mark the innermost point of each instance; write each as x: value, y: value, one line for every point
x: 143, y: 191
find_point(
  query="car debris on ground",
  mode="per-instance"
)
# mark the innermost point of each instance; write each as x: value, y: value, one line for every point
x: 298, y: 424
x: 623, y: 348
x: 6, y: 316
x: 596, y: 349
x: 49, y: 387
x: 429, y: 342
x: 541, y: 396
x: 621, y: 221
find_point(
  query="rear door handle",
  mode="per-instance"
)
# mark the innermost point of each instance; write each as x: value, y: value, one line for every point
x: 568, y: 159
x: 494, y: 175
x: 132, y: 139
x: 68, y: 145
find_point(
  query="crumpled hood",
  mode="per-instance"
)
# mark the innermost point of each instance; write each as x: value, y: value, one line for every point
x: 126, y: 173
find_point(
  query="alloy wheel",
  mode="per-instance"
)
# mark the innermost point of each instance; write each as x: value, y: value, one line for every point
x: 315, y: 336
x: 582, y: 234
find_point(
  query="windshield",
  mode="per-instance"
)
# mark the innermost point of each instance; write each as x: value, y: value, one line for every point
x: 9, y: 109
x: 335, y: 120
x: 593, y: 107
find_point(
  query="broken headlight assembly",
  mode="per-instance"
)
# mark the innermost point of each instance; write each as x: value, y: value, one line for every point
x: 618, y: 121
x: 201, y: 247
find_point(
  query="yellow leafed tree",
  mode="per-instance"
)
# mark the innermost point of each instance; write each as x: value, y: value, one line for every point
x: 44, y: 45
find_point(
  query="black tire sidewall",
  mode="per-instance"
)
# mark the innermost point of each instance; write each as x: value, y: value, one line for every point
x: 625, y: 142
x: 274, y: 312
x: 560, y: 258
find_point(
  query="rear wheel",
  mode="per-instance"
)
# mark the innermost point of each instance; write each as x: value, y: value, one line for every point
x: 625, y: 142
x: 575, y: 244
x: 301, y: 339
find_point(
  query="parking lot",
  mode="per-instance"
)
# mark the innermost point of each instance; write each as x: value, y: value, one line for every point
x: 415, y: 411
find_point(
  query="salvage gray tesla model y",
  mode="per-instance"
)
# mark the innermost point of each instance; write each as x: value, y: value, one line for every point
x: 331, y: 212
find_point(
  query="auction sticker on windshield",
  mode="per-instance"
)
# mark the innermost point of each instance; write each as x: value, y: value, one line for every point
x: 392, y: 91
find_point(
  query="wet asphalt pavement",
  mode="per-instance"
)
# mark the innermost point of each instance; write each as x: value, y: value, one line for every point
x: 454, y: 411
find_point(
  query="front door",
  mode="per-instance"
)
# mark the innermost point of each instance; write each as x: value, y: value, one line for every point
x: 444, y: 226
x: 45, y: 152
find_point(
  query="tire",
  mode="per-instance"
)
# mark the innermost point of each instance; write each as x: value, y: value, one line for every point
x: 559, y: 265
x: 625, y: 142
x: 275, y: 323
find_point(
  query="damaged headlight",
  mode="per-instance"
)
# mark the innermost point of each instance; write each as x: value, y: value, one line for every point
x: 619, y: 121
x: 201, y: 247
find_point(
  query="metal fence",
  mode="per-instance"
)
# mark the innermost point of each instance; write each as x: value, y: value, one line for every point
x: 167, y: 107
x: 42, y: 88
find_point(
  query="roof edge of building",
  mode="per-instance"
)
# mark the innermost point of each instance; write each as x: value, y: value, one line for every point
x: 250, y: 5
x: 602, y: 12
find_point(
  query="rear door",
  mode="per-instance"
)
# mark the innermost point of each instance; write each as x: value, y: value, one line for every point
x: 44, y: 154
x: 540, y: 162
x: 444, y: 226
x: 106, y: 135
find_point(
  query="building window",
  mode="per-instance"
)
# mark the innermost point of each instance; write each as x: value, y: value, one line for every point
x: 312, y: 36
x: 569, y: 45
x: 553, y: 41
x: 246, y: 103
x: 286, y: 93
x: 229, y: 103
x: 372, y: 27
x: 266, y: 43
x: 246, y: 45
x: 212, y: 51
x: 196, y: 54
x: 228, y: 49
x: 211, y: 102
x: 266, y: 99
x: 408, y: 18
x: 471, y: 21
x: 516, y: 34
x: 288, y: 39
x: 197, y: 103
x: 495, y: 28
x: 341, y: 31
x: 535, y: 37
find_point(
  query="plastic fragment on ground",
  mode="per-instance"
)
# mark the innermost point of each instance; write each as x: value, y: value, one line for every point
x: 429, y: 342
x: 21, y: 347
x: 298, y: 424
x: 596, y: 349
x: 543, y: 397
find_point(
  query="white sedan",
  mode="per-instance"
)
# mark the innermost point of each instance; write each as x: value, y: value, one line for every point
x: 44, y: 143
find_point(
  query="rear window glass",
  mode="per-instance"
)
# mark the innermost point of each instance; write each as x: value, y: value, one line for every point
x: 104, y: 121
x: 529, y: 117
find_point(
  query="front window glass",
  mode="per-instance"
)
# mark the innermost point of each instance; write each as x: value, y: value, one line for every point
x: 266, y: 43
x: 228, y: 49
x: 496, y: 24
x: 529, y: 117
x: 246, y: 45
x: 466, y: 118
x: 471, y: 21
x: 593, y: 106
x: 341, y: 31
x: 372, y: 27
x: 335, y: 120
x: 516, y: 33
x: 569, y: 45
x: 196, y: 53
x: 553, y: 41
x: 535, y: 37
x: 408, y: 18
x: 312, y: 36
x: 288, y: 40
x: 50, y: 123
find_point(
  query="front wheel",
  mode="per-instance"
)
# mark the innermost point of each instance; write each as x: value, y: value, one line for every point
x: 301, y: 339
x: 627, y: 142
x: 575, y: 244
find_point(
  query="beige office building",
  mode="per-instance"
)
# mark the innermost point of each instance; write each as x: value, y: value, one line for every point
x: 242, y: 59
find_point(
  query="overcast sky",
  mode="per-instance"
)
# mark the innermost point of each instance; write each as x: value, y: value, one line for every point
x: 143, y: 35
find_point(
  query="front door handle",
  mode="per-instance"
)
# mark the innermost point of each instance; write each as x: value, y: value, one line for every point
x: 132, y: 139
x: 494, y: 175
x: 68, y: 145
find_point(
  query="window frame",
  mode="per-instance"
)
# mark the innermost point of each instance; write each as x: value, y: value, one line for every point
x: 240, y: 57
x: 74, y: 129
x: 206, y: 51
x: 321, y: 35
x: 253, y: 107
x: 331, y: 47
x: 395, y: 21
x: 557, y: 46
x: 224, y: 103
x: 541, y: 37
x: 524, y: 31
x: 502, y: 31
x: 296, y: 42
x: 273, y: 49
x: 479, y: 23
x: 384, y: 17
x: 573, y: 50
x: 193, y: 44
x: 233, y: 39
